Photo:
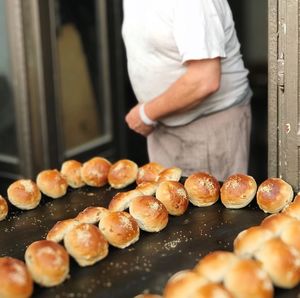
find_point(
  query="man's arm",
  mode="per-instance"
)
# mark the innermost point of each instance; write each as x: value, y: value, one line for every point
x: 201, y: 79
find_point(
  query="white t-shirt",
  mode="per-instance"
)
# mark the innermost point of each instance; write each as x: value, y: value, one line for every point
x: 160, y: 35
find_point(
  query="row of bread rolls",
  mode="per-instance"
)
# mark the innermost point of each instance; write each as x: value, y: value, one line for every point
x: 203, y: 189
x: 263, y: 257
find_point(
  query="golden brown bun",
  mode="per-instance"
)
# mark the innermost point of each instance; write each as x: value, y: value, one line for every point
x: 238, y: 191
x: 281, y: 262
x: 94, y: 172
x: 184, y: 283
x: 291, y: 235
x: 86, y: 244
x: 276, y: 223
x: 47, y: 262
x: 71, y: 171
x: 58, y: 231
x: 149, y: 172
x: 250, y: 240
x: 16, y: 282
x: 148, y: 296
x: 24, y: 194
x: 293, y: 209
x: 212, y: 290
x: 170, y: 174
x: 147, y: 188
x: 91, y: 215
x: 121, y: 200
x: 203, y: 189
x: 215, y: 265
x: 3, y: 208
x: 120, y: 229
x: 52, y: 184
x: 247, y: 279
x: 150, y: 214
x: 273, y: 195
x: 122, y: 173
x: 174, y: 196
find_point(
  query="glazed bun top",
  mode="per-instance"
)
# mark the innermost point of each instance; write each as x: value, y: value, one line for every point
x: 71, y: 171
x: 16, y: 282
x: 281, y: 262
x: 250, y: 240
x: 47, y: 262
x: 174, y: 196
x: 246, y: 278
x: 238, y: 190
x: 91, y: 215
x: 170, y: 174
x: 215, y: 265
x: 203, y: 189
x: 51, y: 183
x: 149, y: 172
x: 293, y: 209
x: 122, y: 173
x: 150, y: 213
x: 273, y: 195
x: 184, y: 283
x: 94, y: 172
x: 277, y: 223
x: 119, y: 228
x: 24, y: 194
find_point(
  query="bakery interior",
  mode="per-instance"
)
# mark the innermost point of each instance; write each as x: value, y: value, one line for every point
x: 64, y: 93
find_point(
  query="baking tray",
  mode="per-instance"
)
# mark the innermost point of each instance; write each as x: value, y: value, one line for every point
x: 143, y: 267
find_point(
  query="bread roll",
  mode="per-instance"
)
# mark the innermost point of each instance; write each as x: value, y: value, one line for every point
x: 174, y: 196
x: 247, y: 279
x: 212, y: 290
x: 281, y: 262
x: 91, y: 215
x: 120, y: 229
x: 52, y: 184
x: 71, y: 171
x: 147, y: 188
x: 24, y: 194
x: 291, y: 235
x: 238, y: 191
x: 250, y: 240
x: 150, y: 214
x: 215, y: 265
x: 170, y: 174
x: 293, y: 209
x: 121, y: 200
x: 184, y: 283
x: 3, y: 208
x: 86, y: 244
x: 202, y: 188
x: 94, y: 172
x: 16, y: 282
x: 273, y: 195
x: 276, y: 223
x: 122, y: 173
x: 47, y: 262
x: 58, y: 231
x: 149, y: 172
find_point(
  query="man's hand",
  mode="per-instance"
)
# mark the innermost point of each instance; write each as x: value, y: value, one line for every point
x: 135, y: 122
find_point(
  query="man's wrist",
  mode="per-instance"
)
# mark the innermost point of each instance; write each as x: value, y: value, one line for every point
x: 145, y: 119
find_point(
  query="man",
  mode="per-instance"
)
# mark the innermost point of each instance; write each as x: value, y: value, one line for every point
x: 187, y: 73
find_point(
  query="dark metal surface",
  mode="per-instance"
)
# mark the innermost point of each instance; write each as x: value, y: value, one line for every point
x: 144, y: 266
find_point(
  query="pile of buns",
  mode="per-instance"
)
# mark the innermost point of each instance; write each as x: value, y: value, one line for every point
x: 264, y: 257
x: 158, y: 194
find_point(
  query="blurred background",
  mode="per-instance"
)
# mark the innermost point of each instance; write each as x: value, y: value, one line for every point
x: 64, y: 89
